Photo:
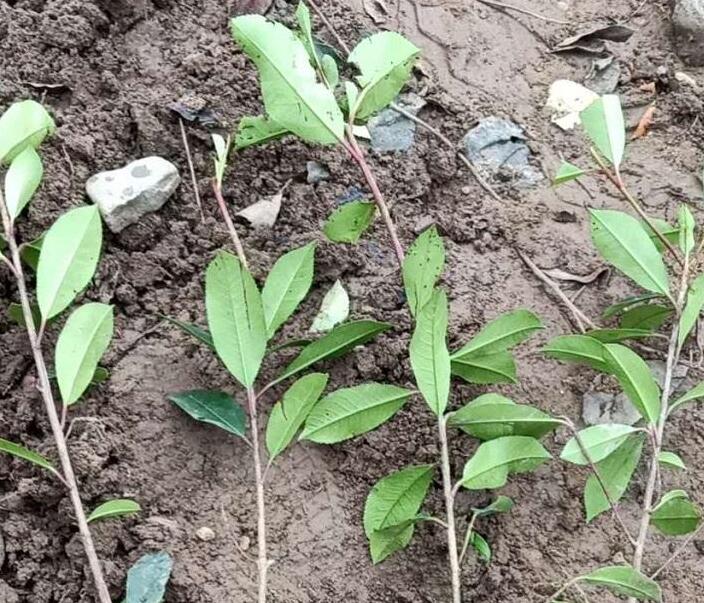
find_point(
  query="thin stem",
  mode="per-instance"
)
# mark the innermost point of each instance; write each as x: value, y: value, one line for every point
x: 502, y: 6
x: 8, y: 263
x: 436, y: 520
x: 263, y: 562
x: 564, y: 589
x: 467, y: 537
x: 678, y: 552
x: 340, y: 42
x: 45, y: 388
x: 358, y: 155
x: 191, y: 169
x: 230, y: 225
x: 449, y: 511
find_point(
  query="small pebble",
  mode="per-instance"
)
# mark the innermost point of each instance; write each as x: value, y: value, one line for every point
x: 205, y: 534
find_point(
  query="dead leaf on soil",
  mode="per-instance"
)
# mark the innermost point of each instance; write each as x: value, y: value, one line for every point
x: 265, y: 211
x: 592, y: 40
x: 568, y: 99
x: 644, y: 123
x: 248, y: 7
x: 563, y: 275
x: 377, y: 10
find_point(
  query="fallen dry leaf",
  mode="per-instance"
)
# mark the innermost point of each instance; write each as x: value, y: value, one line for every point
x: 592, y: 40
x: 563, y: 275
x: 264, y: 212
x: 645, y: 122
x: 377, y: 10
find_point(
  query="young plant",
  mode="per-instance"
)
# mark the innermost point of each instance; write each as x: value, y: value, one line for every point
x: 242, y: 322
x: 665, y: 262
x: 68, y: 254
x: 303, y: 96
x: 509, y: 433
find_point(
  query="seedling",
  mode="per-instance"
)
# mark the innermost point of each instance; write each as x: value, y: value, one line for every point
x: 509, y: 433
x: 665, y: 262
x: 242, y: 322
x: 68, y: 254
x: 303, y: 96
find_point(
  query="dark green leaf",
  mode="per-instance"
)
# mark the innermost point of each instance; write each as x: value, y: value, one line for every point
x: 498, y: 367
x: 257, y: 130
x: 675, y: 514
x: 624, y: 580
x: 616, y: 335
x: 114, y: 508
x: 629, y: 302
x: 481, y: 546
x: 577, y: 348
x: 501, y: 334
x: 25, y: 454
x: 502, y: 504
x: 693, y: 394
x: 349, y: 222
x: 214, y: 407
x: 648, y: 316
x: 30, y: 252
x: 201, y: 334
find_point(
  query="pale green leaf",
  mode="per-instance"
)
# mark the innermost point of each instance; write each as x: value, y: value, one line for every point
x: 577, y: 348
x: 675, y: 514
x: 502, y: 504
x: 222, y: 149
x: 686, y: 230
x: 693, y: 394
x: 25, y: 454
x: 636, y: 380
x: 430, y: 359
x: 603, y: 122
x: 147, y: 579
x: 235, y: 317
x: 692, y: 308
x: 615, y: 472
x: 22, y: 180
x: 81, y: 344
x: 213, y: 407
x: 114, y: 508
x: 495, y: 460
x: 24, y: 124
x: 422, y: 268
x: 385, y: 61
x: 599, y: 441
x: 670, y: 459
x: 288, y: 415
x: 68, y: 259
x: 254, y: 130
x: 625, y: 580
x: 623, y: 242
x: 501, y: 334
x: 349, y: 222
x: 286, y: 285
x: 498, y: 367
x: 334, y: 309
x: 330, y: 70
x: 566, y: 172
x: 351, y: 411
x: 293, y: 97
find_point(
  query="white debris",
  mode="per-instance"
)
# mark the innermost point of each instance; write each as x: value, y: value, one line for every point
x: 568, y: 99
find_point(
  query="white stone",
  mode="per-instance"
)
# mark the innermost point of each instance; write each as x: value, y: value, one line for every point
x: 205, y: 534
x: 123, y: 196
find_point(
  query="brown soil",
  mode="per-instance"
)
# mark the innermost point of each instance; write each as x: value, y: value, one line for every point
x: 120, y: 63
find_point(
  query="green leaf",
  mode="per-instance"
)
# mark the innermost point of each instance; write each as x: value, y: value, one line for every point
x: 495, y: 460
x: 599, y: 441
x: 334, y: 344
x: 693, y: 394
x: 501, y: 334
x: 287, y: 285
x: 68, y: 259
x: 502, y: 504
x: 625, y: 580
x: 288, y: 415
x: 422, y: 268
x: 81, y: 344
x: 480, y: 546
x: 114, y: 508
x: 491, y: 421
x: 147, y: 579
x: 566, y: 172
x: 615, y: 472
x: 25, y: 454
x: 675, y: 514
x: 349, y: 222
x: 649, y: 317
x: 577, y: 348
x: 636, y: 380
x: 692, y: 309
x: 395, y: 501
x: 201, y: 334
x: 235, y: 317
x: 30, y: 252
x: 486, y: 369
x: 430, y: 359
x: 334, y: 309
x: 668, y: 231
x: 385, y: 61
x: 293, y: 97
x: 603, y: 122
x: 16, y: 314
x: 254, y: 130
x: 214, y: 407
x: 616, y: 335
x: 623, y: 242
x: 330, y: 70
x: 351, y: 411
x: 628, y: 303
x: 24, y: 124
x: 22, y: 180
x: 686, y: 230
x: 670, y: 459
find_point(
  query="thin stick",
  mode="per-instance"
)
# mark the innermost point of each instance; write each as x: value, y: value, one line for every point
x: 678, y: 552
x: 467, y: 537
x: 502, y: 6
x: 189, y: 159
x: 230, y: 225
x: 565, y: 588
x: 8, y: 263
x: 69, y: 476
x: 449, y: 511
x: 340, y: 42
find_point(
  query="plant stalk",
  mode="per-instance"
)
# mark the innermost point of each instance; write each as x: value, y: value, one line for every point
x: 69, y: 477
x: 263, y: 561
x: 449, y: 511
x: 230, y: 225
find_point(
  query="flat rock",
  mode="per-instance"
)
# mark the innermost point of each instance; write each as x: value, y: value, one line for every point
x: 390, y: 130
x: 599, y: 408
x: 316, y: 172
x: 688, y: 24
x: 124, y: 195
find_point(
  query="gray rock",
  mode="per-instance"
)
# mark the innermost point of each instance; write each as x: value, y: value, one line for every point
x: 391, y: 131
x: 599, y: 408
x: 604, y: 76
x: 657, y: 368
x: 125, y: 195
x: 688, y: 23
x: 8, y: 594
x: 205, y: 534
x: 316, y: 172
x: 497, y: 145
